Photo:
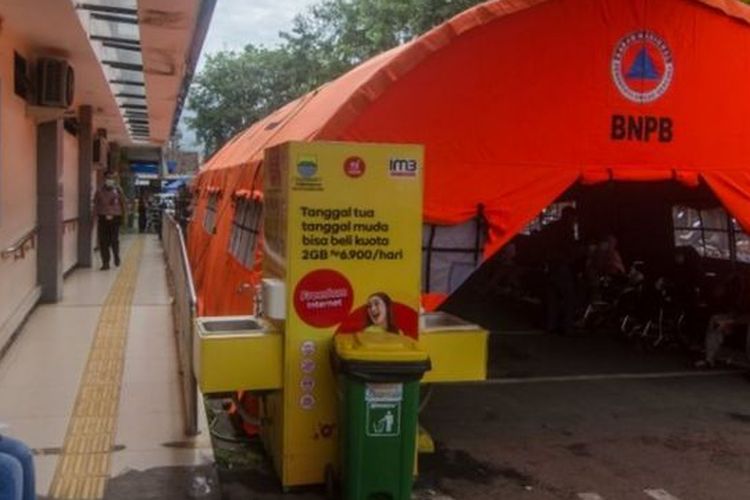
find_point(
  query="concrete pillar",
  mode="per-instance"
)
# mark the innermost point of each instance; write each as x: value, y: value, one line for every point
x: 85, y: 166
x: 50, y: 209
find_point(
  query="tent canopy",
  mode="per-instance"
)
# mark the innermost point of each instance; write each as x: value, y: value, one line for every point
x: 517, y: 100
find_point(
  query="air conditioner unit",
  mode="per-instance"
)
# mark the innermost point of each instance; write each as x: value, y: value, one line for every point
x: 55, y: 83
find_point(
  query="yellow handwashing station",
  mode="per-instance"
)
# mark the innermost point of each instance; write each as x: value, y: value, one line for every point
x: 342, y: 246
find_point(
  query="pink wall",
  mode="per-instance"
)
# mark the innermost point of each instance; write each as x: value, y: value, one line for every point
x: 17, y: 185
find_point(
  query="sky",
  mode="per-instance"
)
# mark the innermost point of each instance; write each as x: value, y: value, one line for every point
x: 236, y: 23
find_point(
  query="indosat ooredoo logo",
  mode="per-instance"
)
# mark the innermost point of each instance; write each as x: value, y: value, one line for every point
x: 642, y: 66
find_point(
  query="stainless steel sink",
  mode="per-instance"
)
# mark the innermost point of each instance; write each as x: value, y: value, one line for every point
x: 231, y: 325
x: 436, y: 321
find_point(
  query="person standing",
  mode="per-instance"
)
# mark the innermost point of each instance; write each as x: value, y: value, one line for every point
x: 142, y: 213
x: 562, y: 251
x: 109, y: 209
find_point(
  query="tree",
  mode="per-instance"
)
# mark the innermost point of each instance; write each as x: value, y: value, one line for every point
x: 236, y: 89
x: 230, y: 93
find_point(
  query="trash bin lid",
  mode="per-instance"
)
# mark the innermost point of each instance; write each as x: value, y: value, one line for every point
x: 379, y: 347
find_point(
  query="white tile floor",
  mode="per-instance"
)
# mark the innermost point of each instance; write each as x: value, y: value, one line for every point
x: 39, y: 376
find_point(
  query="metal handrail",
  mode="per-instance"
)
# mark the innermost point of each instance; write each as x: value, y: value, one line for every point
x: 185, y: 312
x: 20, y: 245
x: 71, y: 223
x: 186, y: 263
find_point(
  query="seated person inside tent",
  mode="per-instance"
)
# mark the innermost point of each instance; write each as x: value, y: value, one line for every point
x: 604, y: 267
x: 732, y: 301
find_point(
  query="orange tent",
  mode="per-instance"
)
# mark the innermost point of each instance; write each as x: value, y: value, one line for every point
x: 515, y: 101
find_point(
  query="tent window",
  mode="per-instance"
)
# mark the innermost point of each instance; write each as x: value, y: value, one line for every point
x: 450, y: 254
x: 551, y: 214
x: 742, y: 243
x: 712, y: 233
x: 245, y: 229
x: 209, y: 220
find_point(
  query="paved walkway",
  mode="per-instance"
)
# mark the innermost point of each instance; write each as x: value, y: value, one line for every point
x: 92, y: 382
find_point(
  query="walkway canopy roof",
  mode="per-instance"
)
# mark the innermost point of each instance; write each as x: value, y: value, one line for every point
x: 515, y: 100
x: 133, y: 59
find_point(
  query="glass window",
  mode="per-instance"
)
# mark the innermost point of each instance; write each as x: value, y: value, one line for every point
x: 551, y: 214
x: 245, y: 230
x: 209, y: 220
x: 716, y: 244
x: 689, y: 238
x: 714, y: 220
x: 710, y: 232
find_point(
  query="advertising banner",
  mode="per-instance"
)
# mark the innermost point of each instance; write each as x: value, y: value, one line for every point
x: 343, y: 229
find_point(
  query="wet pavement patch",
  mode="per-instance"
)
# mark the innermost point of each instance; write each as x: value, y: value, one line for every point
x: 514, y: 475
x: 242, y: 484
x: 580, y: 450
x: 739, y: 417
x: 166, y: 483
x: 243, y: 467
x: 459, y: 464
x: 490, y: 416
x: 182, y: 445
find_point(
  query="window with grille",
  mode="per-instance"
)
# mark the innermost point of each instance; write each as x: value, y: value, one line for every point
x: 245, y: 229
x: 552, y: 213
x: 450, y: 254
x: 209, y: 220
x: 711, y: 232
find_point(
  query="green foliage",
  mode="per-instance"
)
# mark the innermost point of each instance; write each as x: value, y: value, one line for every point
x: 236, y: 89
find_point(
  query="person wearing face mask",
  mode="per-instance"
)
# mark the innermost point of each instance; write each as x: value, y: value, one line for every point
x: 109, y: 209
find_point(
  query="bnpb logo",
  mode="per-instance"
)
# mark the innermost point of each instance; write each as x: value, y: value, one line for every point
x: 642, y: 66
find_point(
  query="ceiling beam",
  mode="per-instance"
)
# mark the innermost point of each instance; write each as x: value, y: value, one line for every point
x: 128, y: 82
x: 122, y: 46
x: 123, y: 65
x: 107, y: 9
x: 114, y: 19
x: 130, y: 96
x: 116, y: 39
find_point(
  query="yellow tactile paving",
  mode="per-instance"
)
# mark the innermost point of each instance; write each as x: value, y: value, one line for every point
x: 83, y: 468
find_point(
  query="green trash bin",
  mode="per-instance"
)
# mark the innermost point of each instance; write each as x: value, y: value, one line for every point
x: 378, y: 386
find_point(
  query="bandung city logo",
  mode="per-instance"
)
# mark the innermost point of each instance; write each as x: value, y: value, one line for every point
x: 307, y: 167
x: 642, y: 67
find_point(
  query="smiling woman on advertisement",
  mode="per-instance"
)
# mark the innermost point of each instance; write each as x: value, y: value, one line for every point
x: 380, y: 313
